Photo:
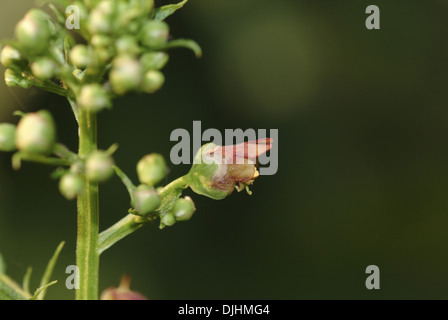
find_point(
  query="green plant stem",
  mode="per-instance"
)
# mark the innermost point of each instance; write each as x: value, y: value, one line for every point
x: 87, y: 256
x: 48, y: 86
x: 19, y: 156
x: 118, y: 231
x: 126, y: 181
x: 63, y: 152
x: 131, y: 222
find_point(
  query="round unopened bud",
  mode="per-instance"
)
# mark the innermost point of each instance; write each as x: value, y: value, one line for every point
x: 183, y: 209
x: 167, y: 219
x: 80, y: 56
x: 13, y: 79
x: 99, y: 166
x: 34, y: 32
x: 152, y: 81
x: 126, y: 74
x: 101, y: 40
x: 145, y: 199
x: 151, y: 169
x: 36, y: 133
x: 10, y: 56
x: 127, y: 45
x: 94, y: 97
x: 43, y: 68
x: 101, y: 17
x: 7, y: 137
x: 70, y: 185
x: 155, y: 33
x: 154, y: 60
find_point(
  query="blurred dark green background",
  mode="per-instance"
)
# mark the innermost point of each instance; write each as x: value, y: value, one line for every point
x: 363, y: 175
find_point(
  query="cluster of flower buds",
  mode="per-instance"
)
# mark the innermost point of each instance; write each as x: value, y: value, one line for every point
x: 151, y: 170
x: 33, y: 56
x: 97, y: 167
x: 182, y: 210
x: 132, y: 38
x: 126, y: 44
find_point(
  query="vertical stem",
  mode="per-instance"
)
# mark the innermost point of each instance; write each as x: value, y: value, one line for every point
x: 87, y: 256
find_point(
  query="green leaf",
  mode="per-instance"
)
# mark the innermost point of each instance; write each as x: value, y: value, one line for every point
x: 26, y: 279
x: 47, y: 274
x: 2, y: 265
x: 58, y: 14
x: 42, y: 290
x: 185, y: 43
x: 165, y: 11
x: 9, y: 290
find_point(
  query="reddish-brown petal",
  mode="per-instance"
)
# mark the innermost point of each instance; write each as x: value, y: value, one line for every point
x: 235, y: 154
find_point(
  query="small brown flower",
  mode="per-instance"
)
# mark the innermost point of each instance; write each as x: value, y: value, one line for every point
x: 123, y: 292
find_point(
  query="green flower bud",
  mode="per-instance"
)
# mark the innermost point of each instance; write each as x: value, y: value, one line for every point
x: 36, y: 133
x: 201, y: 175
x: 10, y: 56
x: 127, y: 45
x: 145, y: 199
x: 70, y: 185
x: 153, y: 81
x: 101, y: 17
x: 151, y: 169
x: 80, y: 56
x: 126, y: 75
x: 7, y: 137
x: 99, y: 166
x: 167, y: 219
x: 103, y: 54
x: 154, y: 60
x: 34, y: 31
x: 44, y: 68
x: 101, y: 40
x: 13, y: 79
x: 183, y: 209
x: 155, y: 33
x: 94, y: 97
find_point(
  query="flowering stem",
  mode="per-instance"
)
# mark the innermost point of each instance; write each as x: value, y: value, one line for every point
x: 87, y: 256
